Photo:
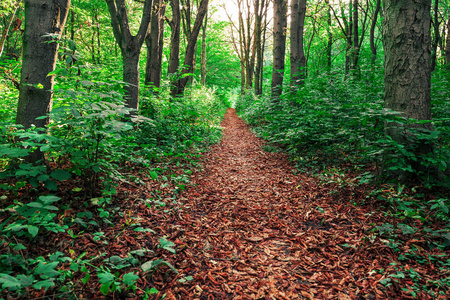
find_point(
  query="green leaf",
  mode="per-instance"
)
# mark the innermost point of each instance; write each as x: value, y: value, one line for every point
x: 86, y: 278
x: 185, y: 279
x: 60, y: 175
x: 141, y: 229
x: 153, y: 291
x: 49, y: 199
x: 8, y: 281
x: 106, y: 277
x: 130, y: 278
x: 34, y: 182
x: 47, y: 269
x: 153, y: 174
x: 165, y: 244
x: 19, y: 247
x: 35, y: 205
x: 105, y: 288
x: 153, y: 264
x: 33, y: 230
x: 43, y: 284
x: 51, y: 185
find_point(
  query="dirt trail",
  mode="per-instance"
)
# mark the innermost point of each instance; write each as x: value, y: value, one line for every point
x: 250, y: 229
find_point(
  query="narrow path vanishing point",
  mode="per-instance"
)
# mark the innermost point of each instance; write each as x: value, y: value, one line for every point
x: 253, y: 230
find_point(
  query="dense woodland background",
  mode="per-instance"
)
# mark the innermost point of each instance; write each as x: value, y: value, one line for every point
x: 97, y: 95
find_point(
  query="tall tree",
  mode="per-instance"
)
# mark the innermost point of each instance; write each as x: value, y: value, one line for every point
x: 279, y: 45
x: 191, y: 46
x: 154, y: 42
x: 373, y: 25
x: 174, y: 59
x: 350, y: 30
x: 298, y: 59
x: 203, y: 62
x: 130, y: 46
x: 447, y: 44
x: 436, y: 34
x: 244, y: 44
x: 407, y: 43
x: 329, y: 34
x: 44, y: 24
x: 261, y: 7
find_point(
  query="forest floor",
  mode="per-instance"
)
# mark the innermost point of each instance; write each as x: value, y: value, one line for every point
x: 248, y: 226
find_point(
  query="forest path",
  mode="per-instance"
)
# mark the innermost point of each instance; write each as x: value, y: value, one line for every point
x: 250, y: 229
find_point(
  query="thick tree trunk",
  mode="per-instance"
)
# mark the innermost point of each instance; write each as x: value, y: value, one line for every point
x: 190, y: 48
x: 407, y: 41
x: 373, y: 47
x: 130, y: 46
x: 279, y: 46
x: 131, y: 76
x: 298, y: 59
x: 39, y: 59
x: 154, y: 46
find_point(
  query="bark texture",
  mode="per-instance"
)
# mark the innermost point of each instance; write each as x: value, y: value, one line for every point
x: 407, y: 43
x: 279, y: 45
x: 298, y: 59
x: 39, y: 58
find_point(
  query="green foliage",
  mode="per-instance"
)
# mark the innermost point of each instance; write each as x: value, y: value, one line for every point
x: 35, y: 216
x: 179, y: 125
x: 333, y: 119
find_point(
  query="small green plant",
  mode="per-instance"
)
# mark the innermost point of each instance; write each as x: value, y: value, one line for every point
x: 35, y: 216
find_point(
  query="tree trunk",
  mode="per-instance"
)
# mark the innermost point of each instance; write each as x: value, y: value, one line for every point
x: 279, y: 46
x: 130, y: 57
x: 298, y: 59
x: 203, y: 70
x: 436, y: 36
x: 258, y: 43
x: 190, y: 48
x: 407, y: 41
x: 373, y: 47
x: 174, y: 59
x: 39, y: 59
x: 130, y: 46
x: 154, y: 46
x: 355, y: 50
x: 447, y: 44
x: 329, y: 34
